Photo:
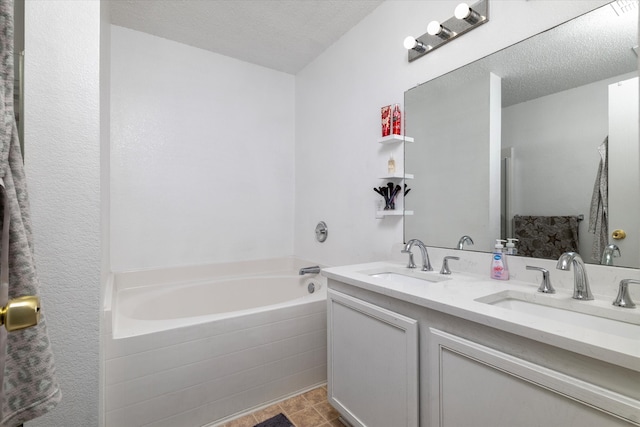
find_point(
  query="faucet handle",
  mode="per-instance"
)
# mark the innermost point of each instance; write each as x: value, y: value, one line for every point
x: 545, y: 285
x: 445, y: 264
x: 624, y: 299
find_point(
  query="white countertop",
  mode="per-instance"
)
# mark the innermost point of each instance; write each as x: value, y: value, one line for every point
x: 458, y: 293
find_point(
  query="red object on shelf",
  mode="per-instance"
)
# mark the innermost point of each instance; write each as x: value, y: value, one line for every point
x: 386, y: 120
x: 397, y: 120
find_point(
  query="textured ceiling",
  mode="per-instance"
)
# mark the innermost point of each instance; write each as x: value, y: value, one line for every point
x: 284, y: 35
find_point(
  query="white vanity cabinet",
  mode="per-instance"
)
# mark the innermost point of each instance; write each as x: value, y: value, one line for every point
x: 372, y: 363
x: 475, y: 385
x: 468, y: 372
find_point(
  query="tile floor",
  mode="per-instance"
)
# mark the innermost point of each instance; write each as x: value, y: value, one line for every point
x: 309, y: 409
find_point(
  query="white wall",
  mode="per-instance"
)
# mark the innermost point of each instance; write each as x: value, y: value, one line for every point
x: 202, y: 156
x: 338, y: 100
x: 105, y: 188
x: 62, y: 161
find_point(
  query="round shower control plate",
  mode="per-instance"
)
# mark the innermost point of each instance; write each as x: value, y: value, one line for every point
x: 321, y: 231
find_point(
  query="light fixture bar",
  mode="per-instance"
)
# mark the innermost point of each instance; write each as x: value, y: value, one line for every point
x: 465, y: 19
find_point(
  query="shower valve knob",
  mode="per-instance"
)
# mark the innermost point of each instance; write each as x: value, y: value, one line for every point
x: 20, y: 313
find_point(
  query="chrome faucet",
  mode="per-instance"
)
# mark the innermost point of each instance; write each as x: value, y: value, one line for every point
x: 309, y: 270
x: 464, y: 239
x: 581, y: 288
x: 426, y: 264
x: 608, y: 253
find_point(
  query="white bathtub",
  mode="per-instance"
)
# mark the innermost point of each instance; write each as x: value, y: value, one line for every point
x: 195, y: 345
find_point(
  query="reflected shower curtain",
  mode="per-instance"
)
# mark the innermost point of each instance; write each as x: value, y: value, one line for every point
x: 29, y: 385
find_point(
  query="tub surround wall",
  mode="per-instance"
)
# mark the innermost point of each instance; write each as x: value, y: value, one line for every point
x: 202, y: 156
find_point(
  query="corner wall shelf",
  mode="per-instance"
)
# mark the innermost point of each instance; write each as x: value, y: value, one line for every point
x: 397, y: 212
x: 394, y: 139
x: 398, y: 176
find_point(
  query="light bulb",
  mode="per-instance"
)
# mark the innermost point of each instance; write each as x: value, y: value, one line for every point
x: 463, y: 11
x: 433, y: 28
x: 436, y: 29
x: 411, y: 43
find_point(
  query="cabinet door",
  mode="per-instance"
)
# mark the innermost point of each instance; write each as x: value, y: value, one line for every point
x: 474, y: 385
x: 373, y: 363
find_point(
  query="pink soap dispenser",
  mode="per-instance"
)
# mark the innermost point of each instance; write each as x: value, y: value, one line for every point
x: 499, y: 268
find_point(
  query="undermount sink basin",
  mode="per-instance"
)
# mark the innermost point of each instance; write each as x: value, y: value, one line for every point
x: 609, y: 320
x: 413, y: 279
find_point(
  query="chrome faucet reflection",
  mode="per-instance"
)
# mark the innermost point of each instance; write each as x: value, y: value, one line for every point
x: 309, y: 270
x: 581, y: 289
x: 608, y: 253
x: 426, y: 264
x: 464, y: 239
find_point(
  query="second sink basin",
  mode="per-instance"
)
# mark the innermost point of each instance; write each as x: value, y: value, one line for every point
x: 609, y: 320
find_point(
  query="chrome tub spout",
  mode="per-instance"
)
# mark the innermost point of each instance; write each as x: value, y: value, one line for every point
x: 309, y: 270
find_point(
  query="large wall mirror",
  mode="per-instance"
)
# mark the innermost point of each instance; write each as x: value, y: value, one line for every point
x: 513, y: 145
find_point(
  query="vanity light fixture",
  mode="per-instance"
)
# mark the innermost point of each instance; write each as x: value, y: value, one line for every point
x: 465, y: 19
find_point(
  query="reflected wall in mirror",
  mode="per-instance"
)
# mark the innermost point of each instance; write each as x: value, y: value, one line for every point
x: 519, y: 133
